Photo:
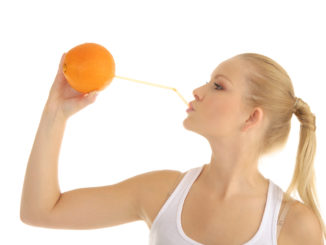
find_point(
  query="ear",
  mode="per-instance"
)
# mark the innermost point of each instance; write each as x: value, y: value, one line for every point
x: 255, y: 118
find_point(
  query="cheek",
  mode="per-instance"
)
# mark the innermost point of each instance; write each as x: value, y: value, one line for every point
x: 226, y: 113
x: 227, y: 106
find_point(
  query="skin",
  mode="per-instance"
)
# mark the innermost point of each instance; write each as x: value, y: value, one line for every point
x: 233, y: 132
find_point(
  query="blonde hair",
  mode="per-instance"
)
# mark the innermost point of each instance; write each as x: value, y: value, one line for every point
x: 270, y: 87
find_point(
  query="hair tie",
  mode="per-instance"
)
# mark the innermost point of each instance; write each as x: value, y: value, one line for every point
x: 295, y: 105
x: 303, y: 124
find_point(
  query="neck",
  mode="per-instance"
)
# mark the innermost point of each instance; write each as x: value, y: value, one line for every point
x: 224, y: 181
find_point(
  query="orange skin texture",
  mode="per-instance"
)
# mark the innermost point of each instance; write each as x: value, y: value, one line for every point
x: 89, y: 67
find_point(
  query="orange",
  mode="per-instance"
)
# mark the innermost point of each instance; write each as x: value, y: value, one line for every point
x: 88, y: 67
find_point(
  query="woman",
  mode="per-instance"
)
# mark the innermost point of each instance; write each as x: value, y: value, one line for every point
x: 244, y: 112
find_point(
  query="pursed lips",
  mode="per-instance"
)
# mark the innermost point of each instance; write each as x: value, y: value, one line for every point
x: 190, y: 106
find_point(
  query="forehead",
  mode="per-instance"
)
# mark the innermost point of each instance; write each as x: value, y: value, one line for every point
x: 233, y: 69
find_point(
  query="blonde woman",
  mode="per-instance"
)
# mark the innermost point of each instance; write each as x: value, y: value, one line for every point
x: 244, y: 112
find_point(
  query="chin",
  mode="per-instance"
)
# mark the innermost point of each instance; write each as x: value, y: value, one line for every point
x: 187, y: 125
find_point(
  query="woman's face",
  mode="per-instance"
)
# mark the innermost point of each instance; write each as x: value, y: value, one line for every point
x: 218, y: 108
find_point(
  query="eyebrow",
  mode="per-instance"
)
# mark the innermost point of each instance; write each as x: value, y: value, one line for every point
x: 221, y: 75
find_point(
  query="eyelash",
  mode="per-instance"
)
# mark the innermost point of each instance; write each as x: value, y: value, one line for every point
x: 217, y: 86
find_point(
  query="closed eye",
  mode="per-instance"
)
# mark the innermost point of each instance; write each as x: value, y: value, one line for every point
x: 218, y: 86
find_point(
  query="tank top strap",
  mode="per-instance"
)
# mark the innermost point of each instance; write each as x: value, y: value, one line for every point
x: 283, y: 215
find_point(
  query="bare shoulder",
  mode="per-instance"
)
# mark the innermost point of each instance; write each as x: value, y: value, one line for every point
x: 155, y: 188
x: 302, y: 225
x: 156, y: 180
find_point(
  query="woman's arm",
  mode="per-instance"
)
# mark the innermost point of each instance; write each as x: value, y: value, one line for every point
x: 41, y: 188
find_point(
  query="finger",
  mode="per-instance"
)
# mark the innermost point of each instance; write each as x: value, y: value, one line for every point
x: 62, y: 61
x: 60, y: 78
x: 63, y: 57
x: 90, y: 97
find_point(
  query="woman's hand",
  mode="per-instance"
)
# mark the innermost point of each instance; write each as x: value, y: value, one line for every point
x: 64, y: 99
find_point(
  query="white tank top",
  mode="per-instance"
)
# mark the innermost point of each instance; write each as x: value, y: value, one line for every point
x: 166, y: 228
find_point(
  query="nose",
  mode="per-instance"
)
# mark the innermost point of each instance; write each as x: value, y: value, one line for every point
x: 194, y: 92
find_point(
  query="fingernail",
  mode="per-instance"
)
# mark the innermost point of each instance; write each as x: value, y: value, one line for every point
x: 93, y: 94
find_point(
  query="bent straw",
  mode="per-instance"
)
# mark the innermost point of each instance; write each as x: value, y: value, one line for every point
x: 153, y: 84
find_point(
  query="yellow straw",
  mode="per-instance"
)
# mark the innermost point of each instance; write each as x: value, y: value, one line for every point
x: 157, y: 85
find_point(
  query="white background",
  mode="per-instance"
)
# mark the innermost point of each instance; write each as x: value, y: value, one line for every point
x: 133, y: 128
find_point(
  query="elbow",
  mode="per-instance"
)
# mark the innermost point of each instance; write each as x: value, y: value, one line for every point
x: 32, y: 222
x: 22, y: 215
x: 31, y: 219
x: 26, y: 220
x: 25, y: 215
